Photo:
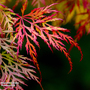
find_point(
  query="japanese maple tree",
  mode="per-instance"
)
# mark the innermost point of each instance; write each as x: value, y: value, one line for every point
x: 14, y: 30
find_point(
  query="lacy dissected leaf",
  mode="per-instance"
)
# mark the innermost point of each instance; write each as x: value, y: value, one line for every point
x: 38, y: 21
x: 14, y: 68
x: 6, y: 20
x: 6, y: 29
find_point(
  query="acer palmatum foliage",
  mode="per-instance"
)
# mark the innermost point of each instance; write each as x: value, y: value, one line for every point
x: 82, y: 20
x: 11, y: 65
x: 13, y: 31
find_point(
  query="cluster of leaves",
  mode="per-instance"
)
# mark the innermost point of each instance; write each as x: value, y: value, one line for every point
x: 11, y: 64
x: 13, y: 31
x: 76, y: 10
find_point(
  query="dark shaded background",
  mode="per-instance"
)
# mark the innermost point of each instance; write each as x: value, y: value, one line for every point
x: 55, y: 66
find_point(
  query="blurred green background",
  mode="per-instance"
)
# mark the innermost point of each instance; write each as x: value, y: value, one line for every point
x: 55, y: 66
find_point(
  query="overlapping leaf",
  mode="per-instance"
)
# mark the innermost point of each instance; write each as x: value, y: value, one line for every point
x: 39, y: 27
x: 6, y: 29
x: 16, y: 66
x: 11, y: 65
x: 84, y: 20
